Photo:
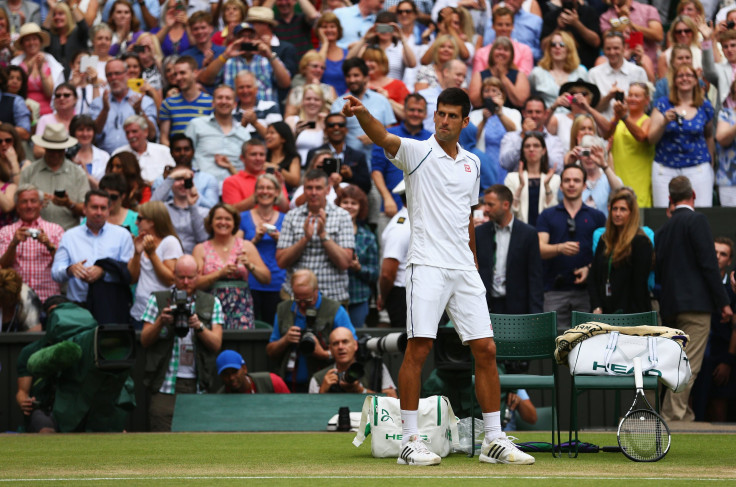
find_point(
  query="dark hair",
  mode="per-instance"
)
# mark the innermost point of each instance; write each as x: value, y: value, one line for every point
x: 200, y: 16
x: 414, y: 96
x: 410, y: 2
x: 96, y: 192
x: 233, y: 212
x: 354, y: 62
x: 132, y: 174
x: 188, y: 60
x: 455, y: 97
x: 544, y: 163
x: 680, y: 189
x: 17, y: 144
x: 23, y: 93
x: 68, y: 86
x: 81, y: 121
x: 289, y: 146
x: 134, y: 22
x: 313, y: 174
x: 131, y: 54
x: 335, y: 114
x: 115, y: 182
x: 180, y: 136
x: 354, y: 192
x: 574, y: 166
x: 725, y: 241
x: 534, y: 98
x: 503, y: 192
x: 250, y: 142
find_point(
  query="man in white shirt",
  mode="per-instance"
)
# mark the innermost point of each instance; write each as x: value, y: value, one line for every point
x: 152, y: 157
x: 616, y: 74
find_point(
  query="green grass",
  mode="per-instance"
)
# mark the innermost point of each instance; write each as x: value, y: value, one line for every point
x: 329, y: 459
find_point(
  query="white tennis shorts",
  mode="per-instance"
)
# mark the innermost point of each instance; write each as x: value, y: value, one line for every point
x: 432, y: 290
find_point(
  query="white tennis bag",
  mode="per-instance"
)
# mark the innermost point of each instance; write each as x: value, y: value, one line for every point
x: 613, y: 354
x: 382, y: 420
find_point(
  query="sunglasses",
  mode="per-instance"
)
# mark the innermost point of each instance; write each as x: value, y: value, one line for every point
x: 114, y: 197
x: 407, y: 11
x: 9, y: 140
x: 683, y: 31
x: 63, y: 95
x: 557, y: 44
x: 336, y: 124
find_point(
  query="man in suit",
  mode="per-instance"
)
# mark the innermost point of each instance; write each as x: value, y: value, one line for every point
x: 353, y: 166
x: 687, y: 269
x: 508, y: 257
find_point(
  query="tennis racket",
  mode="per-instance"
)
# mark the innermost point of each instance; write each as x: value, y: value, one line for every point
x: 642, y: 434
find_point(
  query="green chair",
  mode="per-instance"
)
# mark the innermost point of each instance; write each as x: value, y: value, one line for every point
x: 581, y: 383
x: 262, y: 325
x: 529, y: 337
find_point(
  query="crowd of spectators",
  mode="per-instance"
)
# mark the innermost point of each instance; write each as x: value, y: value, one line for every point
x: 141, y: 132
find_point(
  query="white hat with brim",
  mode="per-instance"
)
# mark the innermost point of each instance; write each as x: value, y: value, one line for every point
x: 55, y: 136
x: 32, y: 28
x: 261, y: 14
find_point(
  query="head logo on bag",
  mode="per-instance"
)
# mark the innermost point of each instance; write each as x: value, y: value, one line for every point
x: 623, y: 370
x: 399, y: 437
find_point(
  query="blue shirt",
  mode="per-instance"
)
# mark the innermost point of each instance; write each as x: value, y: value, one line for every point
x: 79, y: 243
x: 684, y: 145
x: 354, y: 25
x: 392, y: 175
x: 21, y: 114
x: 341, y: 319
x: 379, y: 107
x: 112, y: 136
x: 209, y: 139
x: 206, y: 184
x: 726, y: 171
x: 267, y: 250
x: 179, y: 111
x: 558, y: 271
x: 527, y: 30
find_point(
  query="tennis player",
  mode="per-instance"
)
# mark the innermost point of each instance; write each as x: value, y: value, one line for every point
x: 442, y: 185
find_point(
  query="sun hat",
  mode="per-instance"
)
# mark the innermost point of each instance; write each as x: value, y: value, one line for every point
x: 55, y: 136
x: 29, y: 29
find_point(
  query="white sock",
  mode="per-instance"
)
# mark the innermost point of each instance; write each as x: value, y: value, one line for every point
x: 492, y: 425
x: 408, y: 425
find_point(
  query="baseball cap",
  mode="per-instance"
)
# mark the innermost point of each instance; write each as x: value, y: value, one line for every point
x: 241, y: 27
x: 229, y: 359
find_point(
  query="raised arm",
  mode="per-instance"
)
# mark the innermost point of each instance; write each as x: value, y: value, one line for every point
x: 372, y: 127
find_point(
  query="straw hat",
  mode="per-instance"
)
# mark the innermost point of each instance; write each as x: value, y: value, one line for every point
x: 55, y: 136
x: 32, y: 28
x: 261, y: 14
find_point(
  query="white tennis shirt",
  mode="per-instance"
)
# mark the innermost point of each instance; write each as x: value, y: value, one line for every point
x: 440, y: 192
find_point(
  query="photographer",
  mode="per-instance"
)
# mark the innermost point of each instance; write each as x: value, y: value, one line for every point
x: 29, y: 245
x: 182, y: 336
x: 298, y: 341
x: 346, y: 374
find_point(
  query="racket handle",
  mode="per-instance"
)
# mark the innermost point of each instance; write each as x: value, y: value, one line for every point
x: 638, y: 380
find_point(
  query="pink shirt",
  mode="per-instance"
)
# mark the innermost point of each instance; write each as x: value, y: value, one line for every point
x: 523, y: 58
x: 639, y: 14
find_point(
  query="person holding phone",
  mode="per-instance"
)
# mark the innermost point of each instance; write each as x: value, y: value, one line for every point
x: 323, y: 160
x: 683, y: 30
x: 174, y: 35
x: 578, y: 20
x: 309, y: 124
x: 387, y: 36
x: 282, y: 154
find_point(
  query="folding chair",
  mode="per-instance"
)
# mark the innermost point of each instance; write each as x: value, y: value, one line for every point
x: 582, y: 383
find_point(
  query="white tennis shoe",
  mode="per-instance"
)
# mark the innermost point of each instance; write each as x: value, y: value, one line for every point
x: 503, y: 450
x: 415, y: 452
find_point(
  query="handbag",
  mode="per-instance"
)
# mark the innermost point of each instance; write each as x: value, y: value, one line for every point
x: 613, y: 354
x: 381, y: 419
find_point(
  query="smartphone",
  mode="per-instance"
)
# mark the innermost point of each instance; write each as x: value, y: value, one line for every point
x: 135, y: 84
x: 478, y: 214
x: 490, y: 105
x: 189, y: 183
x: 60, y: 193
x: 139, y: 49
x: 312, y: 125
x: 180, y: 6
x: 636, y: 39
x: 330, y: 165
x: 619, y: 96
x: 384, y: 28
x: 270, y: 170
x: 248, y: 46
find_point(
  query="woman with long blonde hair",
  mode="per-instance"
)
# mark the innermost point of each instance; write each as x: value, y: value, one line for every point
x: 157, y: 247
x: 618, y: 275
x: 68, y: 30
x: 559, y: 64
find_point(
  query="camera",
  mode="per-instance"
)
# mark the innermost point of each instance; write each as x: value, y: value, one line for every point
x: 33, y: 233
x: 679, y: 119
x: 311, y: 124
x: 308, y: 341
x: 72, y: 151
x: 384, y: 28
x: 270, y: 170
x: 269, y: 228
x: 60, y: 193
x: 490, y: 105
x: 182, y: 310
x: 248, y: 46
x: 355, y: 371
x: 619, y: 96
x: 730, y: 24
x: 369, y: 346
x: 330, y: 165
x: 189, y: 183
x: 139, y: 49
x: 585, y: 152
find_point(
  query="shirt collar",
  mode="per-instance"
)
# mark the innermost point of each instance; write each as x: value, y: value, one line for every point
x: 507, y: 228
x: 441, y: 152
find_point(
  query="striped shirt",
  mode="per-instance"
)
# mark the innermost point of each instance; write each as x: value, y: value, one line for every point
x: 179, y: 111
x: 261, y: 69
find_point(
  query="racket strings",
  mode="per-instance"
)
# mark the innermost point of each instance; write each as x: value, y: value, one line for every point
x: 643, y: 435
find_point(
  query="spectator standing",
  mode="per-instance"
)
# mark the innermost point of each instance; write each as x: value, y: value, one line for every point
x: 527, y: 28
x: 68, y: 31
x: 125, y: 24
x: 560, y: 64
x: 64, y: 183
x: 173, y: 35
x: 503, y: 25
x: 293, y: 27
x: 203, y: 49
x: 253, y: 114
x: 357, y: 20
x: 152, y: 157
x: 725, y: 137
x: 330, y: 31
x: 226, y: 262
x: 28, y: 245
x: 642, y: 17
x: 191, y: 102
x: 233, y: 13
x: 581, y: 23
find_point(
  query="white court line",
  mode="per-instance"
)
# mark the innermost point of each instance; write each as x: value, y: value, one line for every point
x: 359, y: 477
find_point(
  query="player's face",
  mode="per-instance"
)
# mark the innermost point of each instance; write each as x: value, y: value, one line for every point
x: 449, y: 122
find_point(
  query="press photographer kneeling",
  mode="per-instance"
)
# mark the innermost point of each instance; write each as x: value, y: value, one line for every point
x: 349, y: 375
x: 182, y: 333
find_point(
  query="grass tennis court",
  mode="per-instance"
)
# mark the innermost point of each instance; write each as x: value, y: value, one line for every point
x: 330, y: 459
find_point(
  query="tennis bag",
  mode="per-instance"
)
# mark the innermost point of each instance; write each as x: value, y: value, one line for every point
x: 381, y: 419
x: 613, y: 354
